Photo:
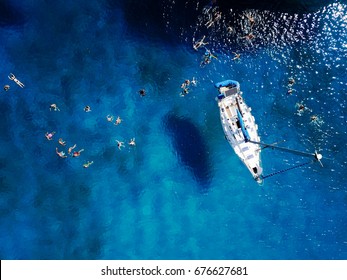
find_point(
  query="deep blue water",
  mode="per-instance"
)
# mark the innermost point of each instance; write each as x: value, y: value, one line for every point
x: 181, y: 193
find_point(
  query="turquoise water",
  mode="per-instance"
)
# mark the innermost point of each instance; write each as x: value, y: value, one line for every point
x: 181, y: 192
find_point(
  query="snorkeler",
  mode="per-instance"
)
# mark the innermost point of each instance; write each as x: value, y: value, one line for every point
x: 49, y: 136
x: 6, y: 87
x: 60, y: 154
x: 87, y: 109
x: 13, y: 78
x: 200, y: 43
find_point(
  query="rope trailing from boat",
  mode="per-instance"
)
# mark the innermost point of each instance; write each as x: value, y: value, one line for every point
x: 285, y: 170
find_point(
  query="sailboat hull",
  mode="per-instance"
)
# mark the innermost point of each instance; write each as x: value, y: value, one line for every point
x: 239, y: 126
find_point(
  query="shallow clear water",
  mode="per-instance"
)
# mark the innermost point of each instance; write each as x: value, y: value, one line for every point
x: 181, y: 193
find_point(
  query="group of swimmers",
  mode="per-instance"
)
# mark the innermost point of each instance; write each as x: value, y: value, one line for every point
x: 13, y: 78
x: 118, y: 120
x: 185, y: 86
x: 300, y: 106
x: 49, y: 136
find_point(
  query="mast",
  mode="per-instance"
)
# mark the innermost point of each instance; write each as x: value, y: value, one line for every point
x: 316, y: 156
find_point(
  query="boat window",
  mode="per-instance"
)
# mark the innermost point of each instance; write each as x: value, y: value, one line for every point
x: 231, y: 91
x: 245, y: 149
x: 250, y: 156
x: 255, y: 170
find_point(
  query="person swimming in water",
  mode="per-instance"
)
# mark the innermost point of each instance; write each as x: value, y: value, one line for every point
x: 71, y: 148
x: 109, y: 118
x: 61, y: 142
x: 60, y: 154
x: 49, y: 136
x: 13, y: 78
x: 53, y: 107
x: 87, y: 109
x: 236, y: 56
x: 6, y: 87
x: 200, y: 43
x: 291, y: 82
x: 207, y: 58
x: 132, y: 142
x: 118, y: 120
x: 142, y: 92
x: 194, y: 82
x: 89, y: 163
x: 120, y: 144
x: 77, y: 153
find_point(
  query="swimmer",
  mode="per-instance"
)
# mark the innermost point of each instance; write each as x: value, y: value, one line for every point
x: 60, y: 154
x: 194, y: 82
x: 77, y: 153
x: 291, y: 82
x: 209, y: 23
x: 249, y: 36
x: 132, y: 142
x: 118, y: 120
x: 109, y: 118
x: 200, y: 43
x: 89, y: 163
x: 142, y: 92
x: 49, y: 136
x: 13, y: 78
x: 184, y: 92
x: 290, y: 91
x: 251, y: 19
x: 185, y: 84
x: 120, y: 144
x: 87, y: 109
x: 53, y: 107
x: 6, y: 87
x: 217, y: 16
x: 71, y: 148
x: 236, y: 56
x: 207, y: 58
x: 61, y: 142
x: 230, y: 29
x: 316, y: 120
x: 301, y: 108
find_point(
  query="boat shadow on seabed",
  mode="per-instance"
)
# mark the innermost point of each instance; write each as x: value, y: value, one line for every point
x: 191, y: 148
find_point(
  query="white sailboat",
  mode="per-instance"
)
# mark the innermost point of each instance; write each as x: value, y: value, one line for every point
x: 241, y: 131
x: 239, y: 126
